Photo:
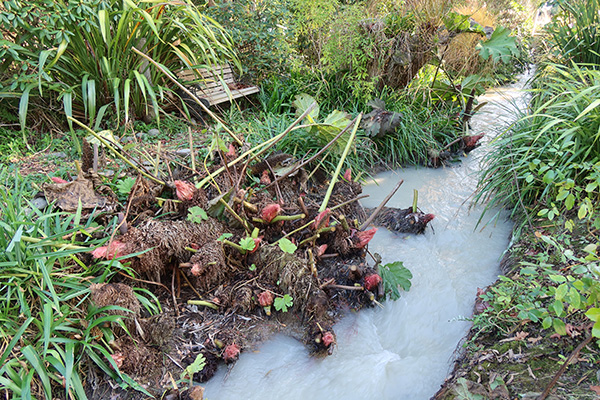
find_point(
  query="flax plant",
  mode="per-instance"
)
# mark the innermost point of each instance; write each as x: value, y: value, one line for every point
x: 88, y: 64
x: 50, y: 334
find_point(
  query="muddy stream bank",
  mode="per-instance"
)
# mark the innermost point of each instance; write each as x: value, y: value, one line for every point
x: 406, y: 349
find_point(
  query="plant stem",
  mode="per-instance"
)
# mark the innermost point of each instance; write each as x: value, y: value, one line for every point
x: 281, y: 218
x: 54, y: 244
x: 264, y: 146
x: 203, y: 303
x: 340, y: 164
x: 108, y: 146
x: 380, y: 206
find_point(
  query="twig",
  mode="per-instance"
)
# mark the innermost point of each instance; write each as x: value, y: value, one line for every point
x: 383, y: 203
x: 328, y: 145
x: 263, y: 146
x: 122, y: 157
x: 563, y: 367
x: 362, y: 196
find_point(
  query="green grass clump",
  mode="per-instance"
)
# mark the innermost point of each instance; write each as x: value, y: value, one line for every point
x: 48, y: 327
x: 547, y: 162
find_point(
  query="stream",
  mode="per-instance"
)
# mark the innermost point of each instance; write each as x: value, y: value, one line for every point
x: 405, y: 349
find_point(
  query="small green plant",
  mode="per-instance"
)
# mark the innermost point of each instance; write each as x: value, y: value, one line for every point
x: 395, y: 275
x: 287, y: 246
x: 197, y: 215
x: 283, y: 303
x: 195, y: 367
x: 125, y: 185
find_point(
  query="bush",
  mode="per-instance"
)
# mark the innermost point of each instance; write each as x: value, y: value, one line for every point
x: 547, y: 162
x: 80, y: 55
x: 260, y: 32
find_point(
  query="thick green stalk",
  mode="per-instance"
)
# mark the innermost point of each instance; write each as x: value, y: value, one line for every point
x: 340, y: 164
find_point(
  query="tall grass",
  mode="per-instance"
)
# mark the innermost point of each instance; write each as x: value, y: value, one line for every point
x: 49, y: 330
x: 545, y: 160
x: 575, y: 31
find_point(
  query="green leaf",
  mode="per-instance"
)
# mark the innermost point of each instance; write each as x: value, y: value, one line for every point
x: 559, y: 326
x: 500, y: 46
x: 596, y: 329
x: 247, y: 243
x: 224, y: 236
x: 558, y: 308
x: 302, y: 101
x: 196, y: 214
x: 195, y: 367
x: 124, y: 186
x: 283, y: 303
x: 395, y: 275
x: 287, y: 246
x: 547, y: 322
x: 593, y: 314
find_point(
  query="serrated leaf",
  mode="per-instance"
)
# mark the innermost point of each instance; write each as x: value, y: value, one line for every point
x: 283, y: 303
x: 196, y: 214
x: 125, y: 185
x: 247, y: 243
x: 500, y: 46
x: 395, y: 275
x: 287, y: 246
x: 224, y: 236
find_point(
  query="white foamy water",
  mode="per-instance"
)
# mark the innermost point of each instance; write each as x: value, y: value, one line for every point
x: 405, y: 350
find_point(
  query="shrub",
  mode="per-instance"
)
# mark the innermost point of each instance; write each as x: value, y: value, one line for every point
x: 80, y: 54
x: 547, y: 162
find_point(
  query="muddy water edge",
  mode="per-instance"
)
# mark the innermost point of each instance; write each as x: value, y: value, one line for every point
x: 406, y: 349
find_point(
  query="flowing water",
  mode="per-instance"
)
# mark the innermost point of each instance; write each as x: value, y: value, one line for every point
x: 405, y: 350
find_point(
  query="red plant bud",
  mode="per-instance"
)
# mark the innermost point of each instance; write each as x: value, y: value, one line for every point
x: 364, y: 237
x: 194, y: 246
x: 231, y: 353
x: 348, y: 175
x: 56, y: 179
x: 322, y: 220
x: 184, y: 190
x: 328, y: 338
x: 270, y: 211
x: 115, y: 249
x: 256, y: 244
x: 321, y: 250
x: 231, y: 152
x: 371, y: 281
x: 265, y: 179
x: 428, y: 217
x: 196, y: 270
x: 471, y: 141
x: 265, y: 299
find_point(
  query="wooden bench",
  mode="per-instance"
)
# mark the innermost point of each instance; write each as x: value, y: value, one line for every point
x: 217, y: 85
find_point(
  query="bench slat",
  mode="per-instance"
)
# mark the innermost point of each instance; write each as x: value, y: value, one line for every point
x: 211, y: 88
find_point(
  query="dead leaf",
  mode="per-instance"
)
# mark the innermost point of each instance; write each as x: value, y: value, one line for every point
x: 534, y: 340
x: 595, y: 389
x: 521, y: 335
x: 68, y: 195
